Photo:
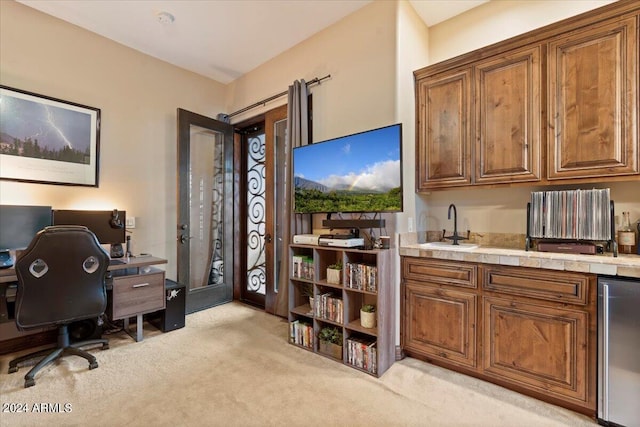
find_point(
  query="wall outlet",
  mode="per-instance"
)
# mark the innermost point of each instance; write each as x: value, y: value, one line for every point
x: 131, y: 222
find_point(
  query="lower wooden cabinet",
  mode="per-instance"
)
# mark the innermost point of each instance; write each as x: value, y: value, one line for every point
x: 527, y: 329
x: 454, y: 313
x: 536, y: 346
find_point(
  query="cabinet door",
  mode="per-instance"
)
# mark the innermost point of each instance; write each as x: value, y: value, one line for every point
x: 593, y: 102
x: 508, y: 117
x: 440, y: 323
x: 442, y: 151
x: 537, y: 347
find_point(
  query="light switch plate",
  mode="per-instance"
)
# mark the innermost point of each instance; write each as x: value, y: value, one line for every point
x: 131, y: 222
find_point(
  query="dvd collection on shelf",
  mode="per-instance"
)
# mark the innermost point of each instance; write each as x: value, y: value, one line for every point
x: 315, y: 302
x: 301, y: 333
x: 361, y: 277
x: 302, y: 267
x: 329, y: 307
x: 361, y: 353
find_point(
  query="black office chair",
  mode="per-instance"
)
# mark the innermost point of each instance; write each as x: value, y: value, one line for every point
x: 61, y: 279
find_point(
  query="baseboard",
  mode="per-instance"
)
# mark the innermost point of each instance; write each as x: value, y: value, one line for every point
x: 28, y: 340
x: 399, y: 353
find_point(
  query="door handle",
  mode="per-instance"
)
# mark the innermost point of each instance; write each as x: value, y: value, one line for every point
x: 184, y: 239
x: 268, y: 238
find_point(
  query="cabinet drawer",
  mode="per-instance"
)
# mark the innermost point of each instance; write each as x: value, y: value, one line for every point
x: 137, y: 294
x: 442, y: 272
x: 536, y: 283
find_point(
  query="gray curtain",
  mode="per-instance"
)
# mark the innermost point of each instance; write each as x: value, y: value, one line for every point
x: 297, y: 135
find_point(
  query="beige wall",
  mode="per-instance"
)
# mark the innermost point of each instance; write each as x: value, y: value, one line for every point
x: 412, y: 39
x: 503, y: 210
x: 494, y: 21
x: 412, y: 51
x: 359, y: 54
x: 500, y: 210
x: 138, y: 97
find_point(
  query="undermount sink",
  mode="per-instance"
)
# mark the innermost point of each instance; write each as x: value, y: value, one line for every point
x: 449, y: 246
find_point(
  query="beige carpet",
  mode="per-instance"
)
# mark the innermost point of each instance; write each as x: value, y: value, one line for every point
x: 231, y: 365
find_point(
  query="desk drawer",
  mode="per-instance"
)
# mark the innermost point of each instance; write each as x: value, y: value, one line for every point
x: 137, y: 294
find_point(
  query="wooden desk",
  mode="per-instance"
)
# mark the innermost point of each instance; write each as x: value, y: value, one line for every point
x: 8, y: 275
x: 134, y: 288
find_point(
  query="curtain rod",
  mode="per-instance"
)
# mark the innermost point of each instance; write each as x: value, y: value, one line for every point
x: 271, y: 98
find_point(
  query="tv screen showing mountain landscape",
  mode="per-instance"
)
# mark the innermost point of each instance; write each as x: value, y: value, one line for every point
x: 355, y: 173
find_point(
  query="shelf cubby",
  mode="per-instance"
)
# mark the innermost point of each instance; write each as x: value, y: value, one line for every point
x: 367, y: 277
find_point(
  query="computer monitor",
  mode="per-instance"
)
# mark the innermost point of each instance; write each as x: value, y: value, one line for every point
x: 20, y: 224
x: 108, y: 226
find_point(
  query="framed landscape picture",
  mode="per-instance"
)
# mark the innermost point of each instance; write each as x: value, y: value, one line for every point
x: 48, y: 140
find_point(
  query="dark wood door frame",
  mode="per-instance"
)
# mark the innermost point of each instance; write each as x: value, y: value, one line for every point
x: 261, y: 123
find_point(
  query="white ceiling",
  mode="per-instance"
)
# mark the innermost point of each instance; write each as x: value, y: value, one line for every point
x: 220, y: 39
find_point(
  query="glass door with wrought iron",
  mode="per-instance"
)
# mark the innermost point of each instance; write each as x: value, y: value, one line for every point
x: 205, y: 212
x: 263, y: 180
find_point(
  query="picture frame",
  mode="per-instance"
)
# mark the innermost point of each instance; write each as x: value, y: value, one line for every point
x: 48, y: 140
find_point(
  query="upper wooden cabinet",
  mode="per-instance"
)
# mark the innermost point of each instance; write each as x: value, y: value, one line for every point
x: 443, y: 150
x: 556, y: 105
x: 492, y: 140
x: 507, y: 115
x: 593, y: 102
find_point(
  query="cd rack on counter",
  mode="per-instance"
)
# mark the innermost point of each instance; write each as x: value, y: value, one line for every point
x: 571, y: 221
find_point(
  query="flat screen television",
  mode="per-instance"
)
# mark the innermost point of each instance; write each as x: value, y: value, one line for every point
x: 361, y: 172
x: 108, y: 226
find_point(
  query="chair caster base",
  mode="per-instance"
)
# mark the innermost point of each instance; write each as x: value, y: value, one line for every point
x: 93, y: 365
x: 13, y: 369
x: 29, y: 382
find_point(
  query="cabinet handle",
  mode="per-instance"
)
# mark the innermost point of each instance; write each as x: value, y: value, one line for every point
x: 140, y: 285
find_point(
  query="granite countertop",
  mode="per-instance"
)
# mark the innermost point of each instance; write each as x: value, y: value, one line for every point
x: 622, y: 265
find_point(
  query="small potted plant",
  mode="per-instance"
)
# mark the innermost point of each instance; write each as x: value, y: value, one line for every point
x: 368, y: 316
x: 334, y: 271
x: 306, y: 290
x: 330, y: 341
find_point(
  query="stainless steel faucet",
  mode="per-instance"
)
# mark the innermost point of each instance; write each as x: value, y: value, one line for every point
x: 455, y: 237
